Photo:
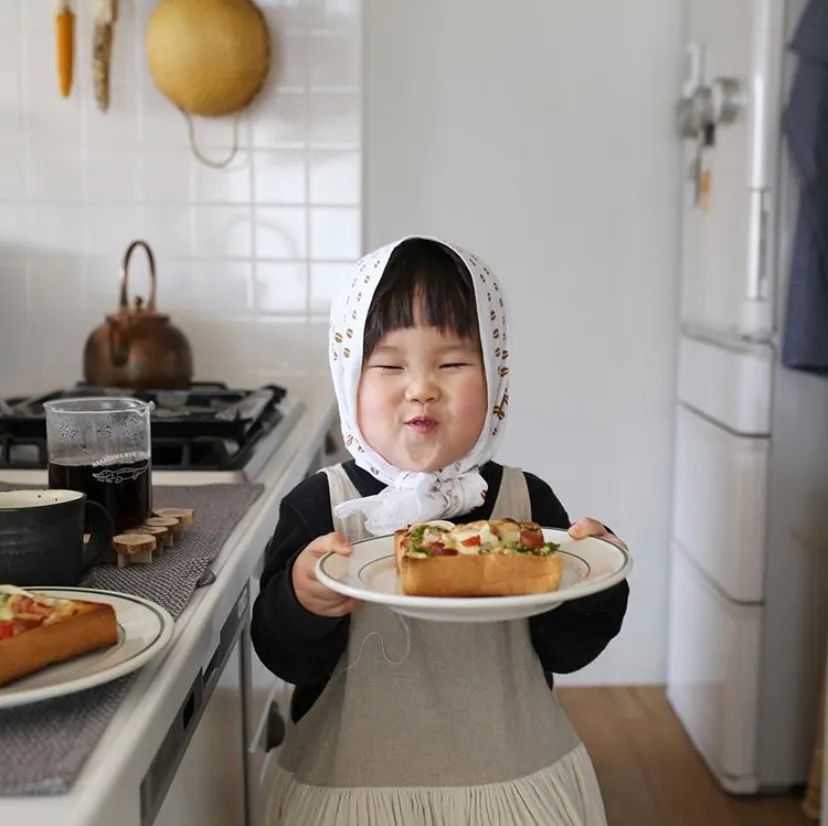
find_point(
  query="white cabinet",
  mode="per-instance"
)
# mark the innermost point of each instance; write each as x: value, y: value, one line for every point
x: 268, y: 708
x: 208, y: 788
x: 727, y: 381
x: 712, y: 673
x: 261, y: 762
x: 719, y: 502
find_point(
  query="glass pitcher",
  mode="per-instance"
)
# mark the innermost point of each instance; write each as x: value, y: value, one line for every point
x: 101, y: 447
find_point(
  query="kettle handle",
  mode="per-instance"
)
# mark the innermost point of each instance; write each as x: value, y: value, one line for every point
x: 124, y: 303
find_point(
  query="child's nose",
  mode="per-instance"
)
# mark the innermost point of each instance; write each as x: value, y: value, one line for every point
x: 422, y: 389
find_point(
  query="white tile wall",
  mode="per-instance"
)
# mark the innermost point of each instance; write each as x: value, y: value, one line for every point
x: 247, y: 255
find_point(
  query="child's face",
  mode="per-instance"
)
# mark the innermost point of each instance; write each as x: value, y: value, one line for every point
x: 422, y: 398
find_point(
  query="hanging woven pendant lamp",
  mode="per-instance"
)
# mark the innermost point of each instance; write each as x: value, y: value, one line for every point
x: 209, y: 57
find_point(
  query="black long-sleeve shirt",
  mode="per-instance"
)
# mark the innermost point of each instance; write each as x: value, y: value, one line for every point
x: 303, y: 648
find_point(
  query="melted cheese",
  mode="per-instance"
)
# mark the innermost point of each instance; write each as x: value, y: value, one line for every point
x: 488, y: 539
x: 10, y: 596
x: 440, y: 523
x: 510, y: 533
x: 507, y: 540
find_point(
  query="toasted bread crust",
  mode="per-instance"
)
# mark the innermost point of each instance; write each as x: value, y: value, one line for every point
x: 481, y: 575
x: 476, y: 575
x: 94, y: 626
x: 401, y: 542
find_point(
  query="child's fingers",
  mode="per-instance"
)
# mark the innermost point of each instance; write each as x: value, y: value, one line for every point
x: 310, y: 592
x: 586, y: 527
x: 340, y: 545
x: 345, y: 607
x: 314, y: 589
x: 335, y: 542
x: 614, y: 540
x: 327, y: 603
x: 592, y: 527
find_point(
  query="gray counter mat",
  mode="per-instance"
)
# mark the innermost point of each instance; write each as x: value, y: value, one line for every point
x: 44, y: 745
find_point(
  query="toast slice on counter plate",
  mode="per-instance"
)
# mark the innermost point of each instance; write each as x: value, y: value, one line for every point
x: 37, y: 630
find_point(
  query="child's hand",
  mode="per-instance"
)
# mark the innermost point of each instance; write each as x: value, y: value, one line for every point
x: 310, y: 592
x: 592, y: 527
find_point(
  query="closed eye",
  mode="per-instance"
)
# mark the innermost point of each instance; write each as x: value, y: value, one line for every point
x: 453, y: 365
x: 386, y: 368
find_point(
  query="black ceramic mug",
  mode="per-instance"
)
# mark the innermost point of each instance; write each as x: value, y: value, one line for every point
x: 41, y: 536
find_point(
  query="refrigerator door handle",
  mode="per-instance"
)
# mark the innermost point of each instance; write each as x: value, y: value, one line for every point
x: 757, y: 271
x: 727, y: 100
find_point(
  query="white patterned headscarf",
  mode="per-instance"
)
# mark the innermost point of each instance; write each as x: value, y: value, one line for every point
x: 412, y: 496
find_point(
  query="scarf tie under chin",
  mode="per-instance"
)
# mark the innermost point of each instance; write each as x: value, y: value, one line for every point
x: 417, y: 497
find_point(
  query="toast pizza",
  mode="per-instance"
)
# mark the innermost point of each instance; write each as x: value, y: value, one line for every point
x: 37, y: 630
x: 491, y: 557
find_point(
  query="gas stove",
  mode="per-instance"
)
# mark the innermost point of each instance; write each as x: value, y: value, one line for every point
x: 206, y: 432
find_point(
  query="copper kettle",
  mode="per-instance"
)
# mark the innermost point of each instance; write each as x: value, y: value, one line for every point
x: 136, y: 346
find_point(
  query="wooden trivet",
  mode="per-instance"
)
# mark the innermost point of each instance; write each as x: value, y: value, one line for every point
x: 174, y: 526
x: 163, y: 536
x: 160, y: 531
x: 133, y: 547
x: 183, y: 515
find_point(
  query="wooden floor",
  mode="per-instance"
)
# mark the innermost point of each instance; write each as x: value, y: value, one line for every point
x: 649, y: 772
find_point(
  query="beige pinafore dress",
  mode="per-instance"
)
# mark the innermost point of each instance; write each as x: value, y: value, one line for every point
x: 434, y: 724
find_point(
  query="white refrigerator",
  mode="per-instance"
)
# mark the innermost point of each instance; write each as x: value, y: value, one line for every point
x: 749, y: 548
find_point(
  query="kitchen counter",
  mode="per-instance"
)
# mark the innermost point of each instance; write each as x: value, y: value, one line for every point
x: 108, y: 789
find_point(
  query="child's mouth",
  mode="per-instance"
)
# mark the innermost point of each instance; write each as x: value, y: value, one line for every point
x: 422, y: 424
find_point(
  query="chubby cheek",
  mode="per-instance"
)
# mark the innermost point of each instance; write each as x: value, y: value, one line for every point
x: 373, y: 406
x: 472, y: 405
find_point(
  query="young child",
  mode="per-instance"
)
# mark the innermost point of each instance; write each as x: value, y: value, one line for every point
x: 403, y: 721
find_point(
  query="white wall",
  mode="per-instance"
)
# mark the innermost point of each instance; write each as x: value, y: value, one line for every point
x: 246, y: 255
x: 540, y: 135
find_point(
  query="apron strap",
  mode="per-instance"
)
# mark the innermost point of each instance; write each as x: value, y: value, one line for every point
x: 341, y: 489
x: 513, y: 500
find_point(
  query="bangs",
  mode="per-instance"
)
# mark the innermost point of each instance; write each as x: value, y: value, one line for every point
x: 424, y: 282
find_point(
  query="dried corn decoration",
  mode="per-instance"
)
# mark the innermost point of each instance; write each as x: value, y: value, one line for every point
x: 65, y: 42
x: 106, y: 12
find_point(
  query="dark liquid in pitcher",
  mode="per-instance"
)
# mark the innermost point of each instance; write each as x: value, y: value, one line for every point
x: 123, y: 488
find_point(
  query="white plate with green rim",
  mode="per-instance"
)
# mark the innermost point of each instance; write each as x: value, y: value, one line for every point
x: 370, y: 575
x: 144, y: 630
